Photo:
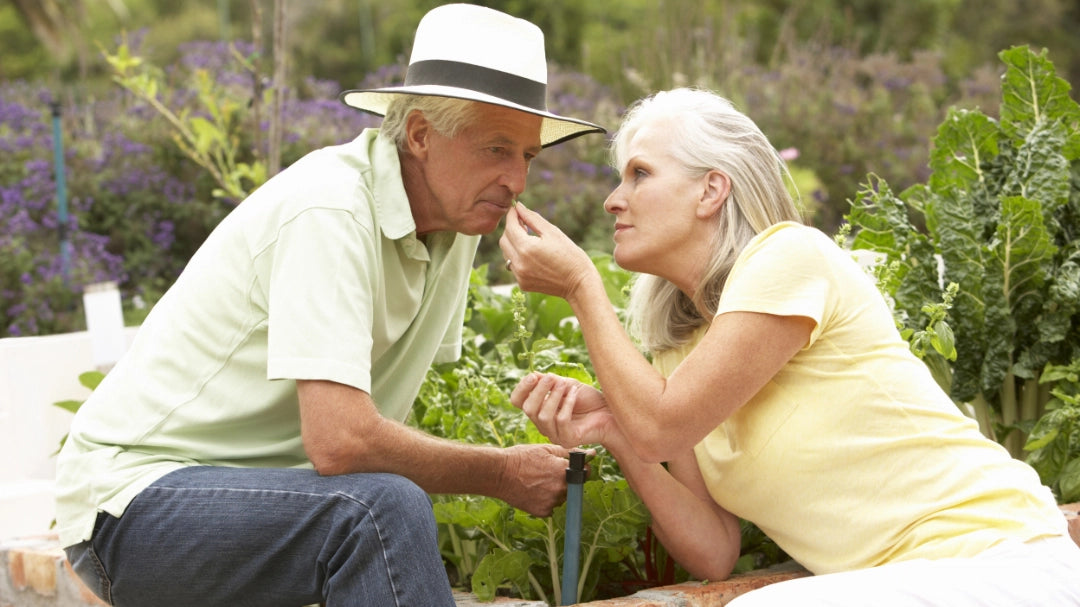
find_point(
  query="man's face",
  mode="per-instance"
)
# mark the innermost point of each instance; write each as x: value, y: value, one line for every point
x: 474, y: 177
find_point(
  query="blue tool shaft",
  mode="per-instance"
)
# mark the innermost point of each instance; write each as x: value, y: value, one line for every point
x: 572, y: 544
x: 575, y: 482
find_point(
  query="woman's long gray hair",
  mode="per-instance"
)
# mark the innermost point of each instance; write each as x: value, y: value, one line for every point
x: 710, y: 134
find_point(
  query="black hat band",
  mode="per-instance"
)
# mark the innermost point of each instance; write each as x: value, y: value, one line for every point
x: 522, y: 91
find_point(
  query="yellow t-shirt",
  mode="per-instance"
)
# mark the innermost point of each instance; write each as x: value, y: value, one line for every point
x: 852, y: 456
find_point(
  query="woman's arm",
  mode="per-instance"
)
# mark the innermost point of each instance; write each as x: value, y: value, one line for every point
x: 699, y: 534
x: 738, y: 355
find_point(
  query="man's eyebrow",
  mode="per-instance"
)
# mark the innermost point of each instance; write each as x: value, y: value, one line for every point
x: 503, y: 140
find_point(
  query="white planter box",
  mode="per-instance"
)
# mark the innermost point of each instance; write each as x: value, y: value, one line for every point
x: 34, y: 373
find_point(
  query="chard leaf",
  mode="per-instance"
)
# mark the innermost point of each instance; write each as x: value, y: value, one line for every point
x: 1061, y: 304
x: 965, y: 142
x: 882, y: 219
x: 884, y: 227
x: 499, y: 567
x: 1022, y: 246
x: 484, y: 513
x: 1038, y: 169
x: 1033, y: 94
x: 952, y: 218
x: 612, y: 515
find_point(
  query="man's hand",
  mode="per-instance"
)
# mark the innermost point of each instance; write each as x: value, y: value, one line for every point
x: 534, y: 479
x: 344, y: 433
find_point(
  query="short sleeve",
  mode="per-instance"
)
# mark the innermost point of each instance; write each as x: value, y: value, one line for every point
x: 322, y: 285
x: 783, y: 271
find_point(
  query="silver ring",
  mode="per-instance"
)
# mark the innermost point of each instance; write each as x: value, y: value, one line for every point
x: 507, y: 264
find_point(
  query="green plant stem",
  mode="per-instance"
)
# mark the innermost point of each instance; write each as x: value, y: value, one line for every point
x: 553, y: 559
x: 1029, y: 403
x: 532, y: 578
x: 587, y: 562
x: 459, y: 549
x: 983, y: 416
x: 1010, y: 415
x: 1044, y: 396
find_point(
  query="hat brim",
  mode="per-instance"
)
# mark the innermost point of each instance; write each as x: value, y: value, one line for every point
x: 553, y: 129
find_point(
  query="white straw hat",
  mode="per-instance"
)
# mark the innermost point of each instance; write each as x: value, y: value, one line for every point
x: 472, y: 52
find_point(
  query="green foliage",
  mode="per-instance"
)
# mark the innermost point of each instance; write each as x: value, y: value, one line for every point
x: 1001, y: 211
x: 89, y: 379
x: 491, y: 545
x: 1054, y: 442
x: 209, y: 136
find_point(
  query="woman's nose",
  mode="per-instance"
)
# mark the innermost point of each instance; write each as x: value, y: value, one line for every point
x: 615, y: 202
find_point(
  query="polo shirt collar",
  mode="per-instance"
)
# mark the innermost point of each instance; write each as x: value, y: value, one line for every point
x: 391, y: 202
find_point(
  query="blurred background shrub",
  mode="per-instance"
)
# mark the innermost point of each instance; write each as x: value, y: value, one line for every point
x: 848, y: 87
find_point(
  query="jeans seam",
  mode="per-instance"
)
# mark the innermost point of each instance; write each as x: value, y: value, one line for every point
x: 105, y: 581
x: 385, y: 557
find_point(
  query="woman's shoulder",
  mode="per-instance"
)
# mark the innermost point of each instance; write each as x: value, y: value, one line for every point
x: 789, y: 236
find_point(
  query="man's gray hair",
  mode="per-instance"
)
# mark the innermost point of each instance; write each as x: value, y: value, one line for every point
x: 447, y: 115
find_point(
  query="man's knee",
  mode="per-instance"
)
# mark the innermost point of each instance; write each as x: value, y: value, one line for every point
x: 393, y: 499
x: 400, y: 492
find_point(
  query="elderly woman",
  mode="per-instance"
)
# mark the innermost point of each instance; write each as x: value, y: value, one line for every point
x: 779, y: 389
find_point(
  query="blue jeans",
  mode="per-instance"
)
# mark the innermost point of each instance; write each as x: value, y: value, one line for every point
x: 212, y: 536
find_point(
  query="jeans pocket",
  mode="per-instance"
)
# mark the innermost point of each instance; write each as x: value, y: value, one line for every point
x: 86, y: 564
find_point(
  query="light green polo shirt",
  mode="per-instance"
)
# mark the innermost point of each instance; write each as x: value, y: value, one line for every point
x: 317, y: 275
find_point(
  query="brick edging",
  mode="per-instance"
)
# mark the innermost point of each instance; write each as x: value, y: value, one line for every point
x: 1072, y: 515
x: 35, y: 572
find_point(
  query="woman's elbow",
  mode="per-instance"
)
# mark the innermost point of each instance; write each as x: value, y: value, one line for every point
x: 657, y: 447
x: 713, y: 569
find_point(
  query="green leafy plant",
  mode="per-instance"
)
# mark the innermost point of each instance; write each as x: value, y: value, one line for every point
x: 1054, y: 442
x: 1000, y: 217
x: 89, y: 379
x: 210, y: 137
x: 491, y: 546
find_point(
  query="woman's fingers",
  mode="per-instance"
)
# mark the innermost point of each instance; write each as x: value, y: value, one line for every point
x: 548, y: 400
x: 523, y: 389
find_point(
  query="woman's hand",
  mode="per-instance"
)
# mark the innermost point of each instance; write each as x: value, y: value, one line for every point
x: 565, y: 410
x: 545, y: 260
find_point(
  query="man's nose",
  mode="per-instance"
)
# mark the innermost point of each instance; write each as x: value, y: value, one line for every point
x: 515, y: 176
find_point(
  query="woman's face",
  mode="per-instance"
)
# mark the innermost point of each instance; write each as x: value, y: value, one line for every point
x: 658, y: 227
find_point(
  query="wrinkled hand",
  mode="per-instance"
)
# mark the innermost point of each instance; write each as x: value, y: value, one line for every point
x: 545, y: 261
x: 565, y: 410
x: 535, y: 478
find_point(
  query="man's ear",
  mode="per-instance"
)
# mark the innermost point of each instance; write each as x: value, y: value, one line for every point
x: 417, y: 134
x: 716, y: 192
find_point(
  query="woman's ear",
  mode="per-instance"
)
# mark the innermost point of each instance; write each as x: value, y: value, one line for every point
x: 716, y: 192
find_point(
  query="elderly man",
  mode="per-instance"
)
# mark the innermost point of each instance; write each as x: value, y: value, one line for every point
x: 249, y: 449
